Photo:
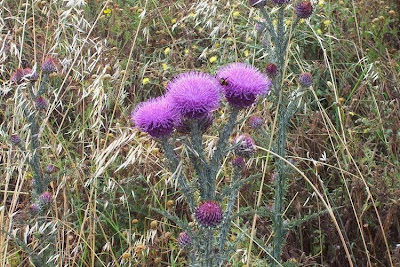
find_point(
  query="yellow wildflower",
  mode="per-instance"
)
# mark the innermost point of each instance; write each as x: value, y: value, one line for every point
x: 327, y: 22
x: 145, y: 81
x: 173, y: 21
x: 186, y: 51
x: 167, y: 50
x: 213, y: 59
x: 164, y: 66
x: 246, y: 53
x: 319, y: 31
x: 236, y: 14
x: 107, y: 11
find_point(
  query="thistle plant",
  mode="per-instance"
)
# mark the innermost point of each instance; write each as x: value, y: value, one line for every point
x: 187, y: 107
x: 276, y: 41
x: 35, y: 105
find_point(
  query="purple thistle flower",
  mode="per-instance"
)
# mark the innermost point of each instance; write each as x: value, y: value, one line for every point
x: 257, y: 3
x: 208, y: 214
x: 34, y: 209
x: 244, y: 146
x: 205, y: 122
x: 242, y: 84
x: 30, y: 74
x: 239, y: 163
x: 156, y: 116
x: 305, y: 79
x: 45, y: 200
x: 304, y: 9
x: 40, y: 103
x: 184, y: 240
x: 17, y: 76
x: 255, y: 122
x: 194, y: 94
x: 15, y: 139
x: 49, y: 65
x: 272, y: 70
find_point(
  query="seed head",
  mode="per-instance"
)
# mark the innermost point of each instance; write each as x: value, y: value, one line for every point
x: 239, y: 163
x: 304, y: 9
x: 209, y: 214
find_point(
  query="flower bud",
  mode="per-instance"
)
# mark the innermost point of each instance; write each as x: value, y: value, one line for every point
x: 30, y: 74
x: 45, y: 200
x: 17, y: 76
x: 15, y: 139
x: 184, y: 240
x: 49, y: 65
x: 255, y: 122
x: 305, y: 79
x: 41, y: 103
x: 239, y: 163
x: 304, y: 9
x: 244, y: 146
x: 34, y: 209
x: 50, y: 169
x: 272, y: 70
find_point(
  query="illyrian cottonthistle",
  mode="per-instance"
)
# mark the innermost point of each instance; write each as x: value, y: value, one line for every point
x: 239, y: 163
x: 17, y: 76
x: 30, y: 74
x: 304, y: 9
x: 244, y: 146
x: 184, y: 240
x: 40, y: 103
x: 157, y: 117
x: 305, y: 79
x: 209, y: 214
x: 272, y: 70
x: 194, y: 94
x: 242, y: 84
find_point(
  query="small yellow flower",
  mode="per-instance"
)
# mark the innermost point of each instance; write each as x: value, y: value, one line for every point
x: 145, y: 81
x: 28, y: 176
x: 274, y: 22
x: 216, y: 45
x: 186, y: 51
x: 173, y: 21
x: 192, y: 15
x: 167, y: 50
x: 194, y: 46
x: 302, y: 21
x: 236, y: 14
x: 327, y: 22
x: 321, y: 2
x: 246, y: 53
x: 288, y: 22
x: 319, y: 31
x: 183, y: 25
x: 248, y: 39
x: 164, y: 66
x: 107, y: 11
x: 213, y: 59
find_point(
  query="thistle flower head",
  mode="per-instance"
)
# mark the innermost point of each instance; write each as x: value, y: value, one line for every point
x: 244, y: 146
x: 194, y: 94
x: 239, y: 163
x: 257, y: 3
x: 49, y: 65
x: 209, y: 214
x: 15, y: 139
x: 40, y: 103
x: 45, y: 200
x: 304, y: 9
x: 204, y: 122
x: 255, y: 122
x: 156, y: 116
x: 242, y: 84
x: 184, y: 240
x: 34, y: 209
x: 305, y: 79
x: 17, y: 76
x: 272, y: 70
